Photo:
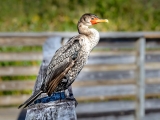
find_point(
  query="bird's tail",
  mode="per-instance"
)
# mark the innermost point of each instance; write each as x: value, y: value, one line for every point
x: 31, y: 99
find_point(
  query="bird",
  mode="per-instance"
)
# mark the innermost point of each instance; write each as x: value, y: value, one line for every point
x: 69, y: 59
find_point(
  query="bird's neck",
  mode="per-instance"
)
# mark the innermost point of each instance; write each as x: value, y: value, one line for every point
x: 91, y: 33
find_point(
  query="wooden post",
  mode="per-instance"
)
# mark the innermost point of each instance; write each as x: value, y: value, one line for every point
x: 140, y: 79
x: 57, y: 110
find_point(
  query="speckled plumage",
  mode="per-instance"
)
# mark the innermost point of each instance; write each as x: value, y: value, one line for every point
x: 69, y: 60
x: 78, y: 47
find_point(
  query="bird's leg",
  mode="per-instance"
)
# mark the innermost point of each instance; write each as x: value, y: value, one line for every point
x: 67, y: 102
x: 60, y: 96
x: 69, y: 88
x: 71, y: 96
x: 65, y: 82
x: 70, y: 92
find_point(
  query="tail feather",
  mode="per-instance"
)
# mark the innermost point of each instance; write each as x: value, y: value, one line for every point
x: 31, y: 99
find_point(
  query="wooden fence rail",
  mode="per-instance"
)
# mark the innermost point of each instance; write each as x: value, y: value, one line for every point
x: 33, y: 70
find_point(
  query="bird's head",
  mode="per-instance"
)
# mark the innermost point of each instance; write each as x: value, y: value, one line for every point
x: 91, y: 19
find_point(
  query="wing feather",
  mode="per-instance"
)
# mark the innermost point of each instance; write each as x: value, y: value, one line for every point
x: 61, y: 63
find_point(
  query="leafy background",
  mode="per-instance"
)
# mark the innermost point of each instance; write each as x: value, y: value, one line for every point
x: 62, y: 15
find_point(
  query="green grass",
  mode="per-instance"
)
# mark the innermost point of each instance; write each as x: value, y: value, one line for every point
x: 9, y: 106
x: 9, y: 78
x: 15, y: 92
x: 19, y: 63
x: 21, y: 49
x: 55, y: 15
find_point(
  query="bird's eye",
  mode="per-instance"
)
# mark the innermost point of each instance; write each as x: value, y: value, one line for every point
x: 92, y: 18
x: 85, y: 19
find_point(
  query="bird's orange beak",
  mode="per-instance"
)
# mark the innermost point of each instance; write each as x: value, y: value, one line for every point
x: 97, y: 20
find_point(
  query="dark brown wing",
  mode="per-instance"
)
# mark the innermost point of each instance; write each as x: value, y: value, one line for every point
x: 62, y: 61
x: 54, y: 83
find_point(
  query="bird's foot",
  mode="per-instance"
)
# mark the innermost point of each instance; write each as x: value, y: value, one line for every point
x: 72, y: 99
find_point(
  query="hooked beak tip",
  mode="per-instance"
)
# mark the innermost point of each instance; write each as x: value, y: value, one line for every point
x: 107, y: 20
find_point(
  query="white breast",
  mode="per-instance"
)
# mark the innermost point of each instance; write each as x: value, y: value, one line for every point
x: 94, y: 38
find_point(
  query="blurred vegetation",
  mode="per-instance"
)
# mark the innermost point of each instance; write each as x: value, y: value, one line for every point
x: 21, y: 48
x: 18, y: 49
x: 8, y: 78
x: 58, y: 15
x: 19, y: 63
x: 15, y: 92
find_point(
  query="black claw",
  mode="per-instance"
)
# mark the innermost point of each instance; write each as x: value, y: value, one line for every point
x: 73, y: 99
